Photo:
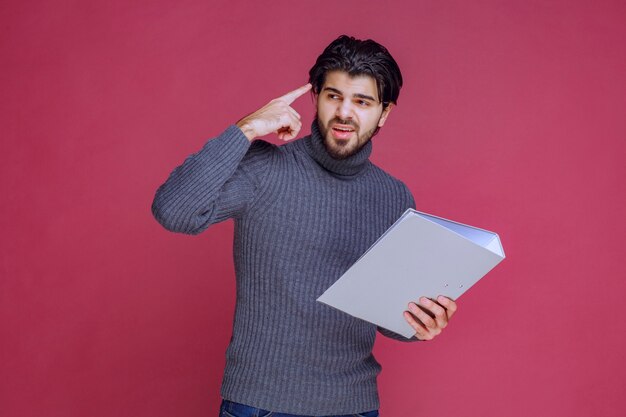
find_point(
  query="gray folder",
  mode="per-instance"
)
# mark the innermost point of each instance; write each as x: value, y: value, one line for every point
x: 419, y: 255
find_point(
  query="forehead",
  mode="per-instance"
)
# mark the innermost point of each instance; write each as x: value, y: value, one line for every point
x: 351, y: 85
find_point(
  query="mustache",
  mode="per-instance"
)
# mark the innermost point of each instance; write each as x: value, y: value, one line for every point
x: 343, y: 122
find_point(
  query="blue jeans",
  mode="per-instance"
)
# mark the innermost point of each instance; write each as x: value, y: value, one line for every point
x: 231, y: 409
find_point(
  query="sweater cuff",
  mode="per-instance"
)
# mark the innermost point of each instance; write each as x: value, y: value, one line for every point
x: 232, y: 141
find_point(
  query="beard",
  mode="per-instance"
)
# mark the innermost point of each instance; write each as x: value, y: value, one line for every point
x: 344, y: 149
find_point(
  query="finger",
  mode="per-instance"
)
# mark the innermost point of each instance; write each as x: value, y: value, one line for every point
x: 448, y: 304
x: 294, y: 113
x: 286, y: 120
x: 425, y: 318
x: 291, y: 96
x: 287, y: 134
x: 290, y: 130
x: 421, y: 332
x: 439, y: 313
x: 291, y: 134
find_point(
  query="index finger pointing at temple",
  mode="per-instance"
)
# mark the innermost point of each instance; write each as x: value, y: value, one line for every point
x: 293, y: 95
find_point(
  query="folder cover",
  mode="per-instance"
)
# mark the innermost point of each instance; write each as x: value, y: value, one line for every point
x: 419, y: 255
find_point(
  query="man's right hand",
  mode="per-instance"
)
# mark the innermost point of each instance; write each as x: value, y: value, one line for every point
x: 276, y: 116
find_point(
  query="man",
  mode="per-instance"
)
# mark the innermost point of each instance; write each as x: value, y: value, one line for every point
x: 304, y: 213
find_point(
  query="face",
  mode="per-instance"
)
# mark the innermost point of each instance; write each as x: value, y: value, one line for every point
x: 349, y: 112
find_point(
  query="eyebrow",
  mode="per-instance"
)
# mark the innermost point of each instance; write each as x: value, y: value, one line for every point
x: 358, y: 95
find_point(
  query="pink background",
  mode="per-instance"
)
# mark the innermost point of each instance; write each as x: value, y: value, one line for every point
x: 512, y: 118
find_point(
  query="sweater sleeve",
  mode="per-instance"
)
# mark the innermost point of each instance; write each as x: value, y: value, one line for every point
x: 396, y: 336
x: 216, y: 183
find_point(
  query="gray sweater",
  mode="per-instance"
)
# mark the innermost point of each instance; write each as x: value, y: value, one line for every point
x: 302, y: 219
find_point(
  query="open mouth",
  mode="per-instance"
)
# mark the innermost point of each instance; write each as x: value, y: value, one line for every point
x: 342, y: 131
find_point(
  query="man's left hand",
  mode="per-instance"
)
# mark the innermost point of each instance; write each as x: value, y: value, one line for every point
x: 430, y: 317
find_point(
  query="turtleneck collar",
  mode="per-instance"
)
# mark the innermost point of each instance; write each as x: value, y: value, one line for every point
x: 349, y: 166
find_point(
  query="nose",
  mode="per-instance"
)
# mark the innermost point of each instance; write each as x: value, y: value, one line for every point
x: 344, y: 110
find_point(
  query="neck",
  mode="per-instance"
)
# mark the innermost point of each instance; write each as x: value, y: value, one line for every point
x: 350, y: 166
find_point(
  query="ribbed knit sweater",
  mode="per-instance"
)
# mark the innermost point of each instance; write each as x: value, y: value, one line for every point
x: 302, y: 218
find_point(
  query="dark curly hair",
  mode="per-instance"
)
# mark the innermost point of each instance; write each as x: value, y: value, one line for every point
x: 358, y: 57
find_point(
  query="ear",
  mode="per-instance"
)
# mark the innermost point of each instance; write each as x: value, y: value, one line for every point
x: 385, y: 114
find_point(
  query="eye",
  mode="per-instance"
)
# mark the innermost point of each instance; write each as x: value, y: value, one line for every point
x: 333, y: 96
x: 363, y: 103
